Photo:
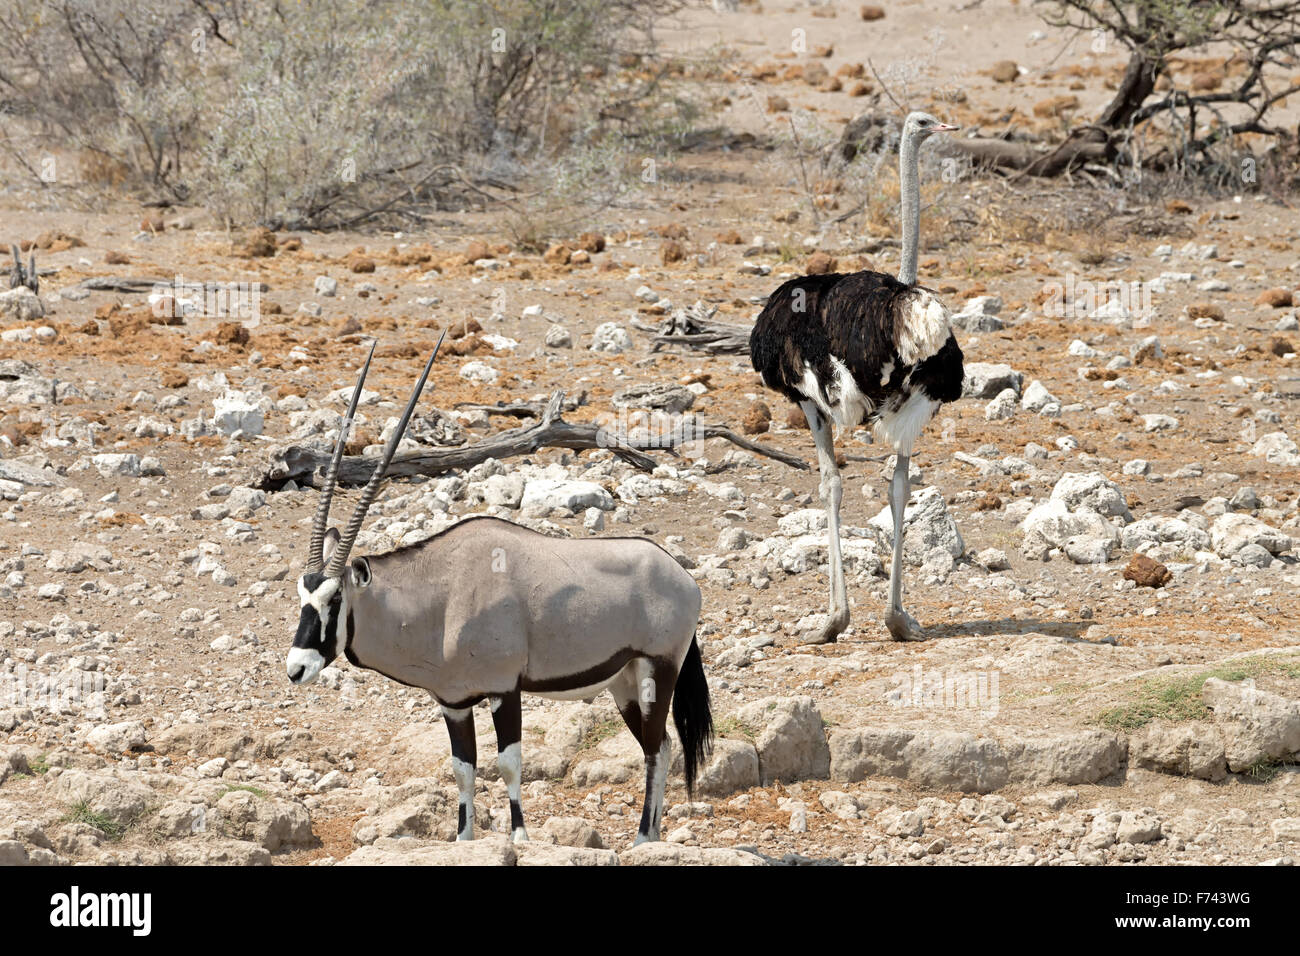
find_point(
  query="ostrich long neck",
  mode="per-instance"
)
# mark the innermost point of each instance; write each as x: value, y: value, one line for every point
x: 910, y: 194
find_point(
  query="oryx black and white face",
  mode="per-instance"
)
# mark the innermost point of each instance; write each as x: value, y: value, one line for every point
x: 324, y: 623
x: 322, y: 626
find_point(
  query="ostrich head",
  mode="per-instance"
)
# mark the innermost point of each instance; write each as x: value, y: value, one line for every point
x: 920, y: 126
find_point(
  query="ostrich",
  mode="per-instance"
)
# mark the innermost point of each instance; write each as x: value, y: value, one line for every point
x: 864, y: 347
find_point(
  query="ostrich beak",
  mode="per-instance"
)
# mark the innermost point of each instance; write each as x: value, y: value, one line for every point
x: 946, y: 128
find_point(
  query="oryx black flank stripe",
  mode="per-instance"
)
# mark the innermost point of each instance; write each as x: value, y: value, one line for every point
x: 591, y: 676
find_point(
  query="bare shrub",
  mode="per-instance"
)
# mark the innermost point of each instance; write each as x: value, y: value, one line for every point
x: 328, y: 113
x: 1160, y: 121
x: 106, y: 78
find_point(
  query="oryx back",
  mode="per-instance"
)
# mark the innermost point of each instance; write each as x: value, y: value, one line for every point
x: 487, y: 607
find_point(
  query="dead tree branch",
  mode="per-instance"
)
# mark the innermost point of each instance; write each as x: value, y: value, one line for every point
x: 305, y: 466
x: 695, y: 328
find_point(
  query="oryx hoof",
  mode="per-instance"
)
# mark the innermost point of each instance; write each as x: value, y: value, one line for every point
x: 903, y: 627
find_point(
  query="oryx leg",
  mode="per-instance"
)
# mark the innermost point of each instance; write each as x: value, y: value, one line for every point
x: 837, y: 618
x: 464, y: 757
x: 902, y: 626
x: 507, y: 718
x: 643, y: 691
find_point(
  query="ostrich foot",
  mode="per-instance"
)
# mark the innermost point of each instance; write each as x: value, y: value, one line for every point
x: 903, y: 627
x: 824, y: 628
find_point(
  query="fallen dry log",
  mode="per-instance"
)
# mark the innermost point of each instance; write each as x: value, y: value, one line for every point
x: 305, y: 466
x: 140, y: 285
x: 521, y: 409
x: 1084, y: 145
x: 871, y: 131
x: 122, y: 284
x: 993, y: 153
x: 695, y: 328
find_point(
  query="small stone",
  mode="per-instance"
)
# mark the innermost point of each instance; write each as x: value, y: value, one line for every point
x: 334, y: 780
x: 610, y: 337
x: 1280, y: 346
x: 733, y: 539
x: 994, y: 559
x: 673, y: 399
x: 214, y: 767
x: 988, y: 380
x: 1037, y: 397
x: 1140, y: 827
x: 1002, y: 407
x: 758, y: 418
x: 1277, y: 298
x: 109, y: 465
x: 1159, y: 423
x: 1244, y: 500
x: 260, y: 244
x: 1146, y: 572
x: 21, y: 305
x: 1254, y: 556
x: 799, y: 820
x: 1005, y: 71
x: 819, y: 264
x: 1090, y: 548
x: 237, y: 412
x: 1205, y: 310
x: 1056, y: 105
x: 479, y: 372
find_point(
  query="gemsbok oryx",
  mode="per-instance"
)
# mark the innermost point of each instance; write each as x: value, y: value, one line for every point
x: 487, y: 609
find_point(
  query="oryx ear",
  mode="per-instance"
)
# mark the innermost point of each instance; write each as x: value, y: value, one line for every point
x: 331, y: 542
x: 360, y: 572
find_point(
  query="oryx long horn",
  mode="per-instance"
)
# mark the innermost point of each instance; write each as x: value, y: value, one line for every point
x: 316, y: 551
x: 33, y: 282
x: 340, y: 557
x: 16, y: 278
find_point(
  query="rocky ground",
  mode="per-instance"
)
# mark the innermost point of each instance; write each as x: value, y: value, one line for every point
x: 1102, y: 542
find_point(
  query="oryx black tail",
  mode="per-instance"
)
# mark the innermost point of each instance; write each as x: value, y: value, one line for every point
x: 691, y: 714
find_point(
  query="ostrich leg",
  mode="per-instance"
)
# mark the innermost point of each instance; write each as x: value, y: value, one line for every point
x: 831, y: 491
x: 902, y: 626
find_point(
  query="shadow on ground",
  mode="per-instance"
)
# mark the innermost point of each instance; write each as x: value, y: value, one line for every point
x: 1012, y: 627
